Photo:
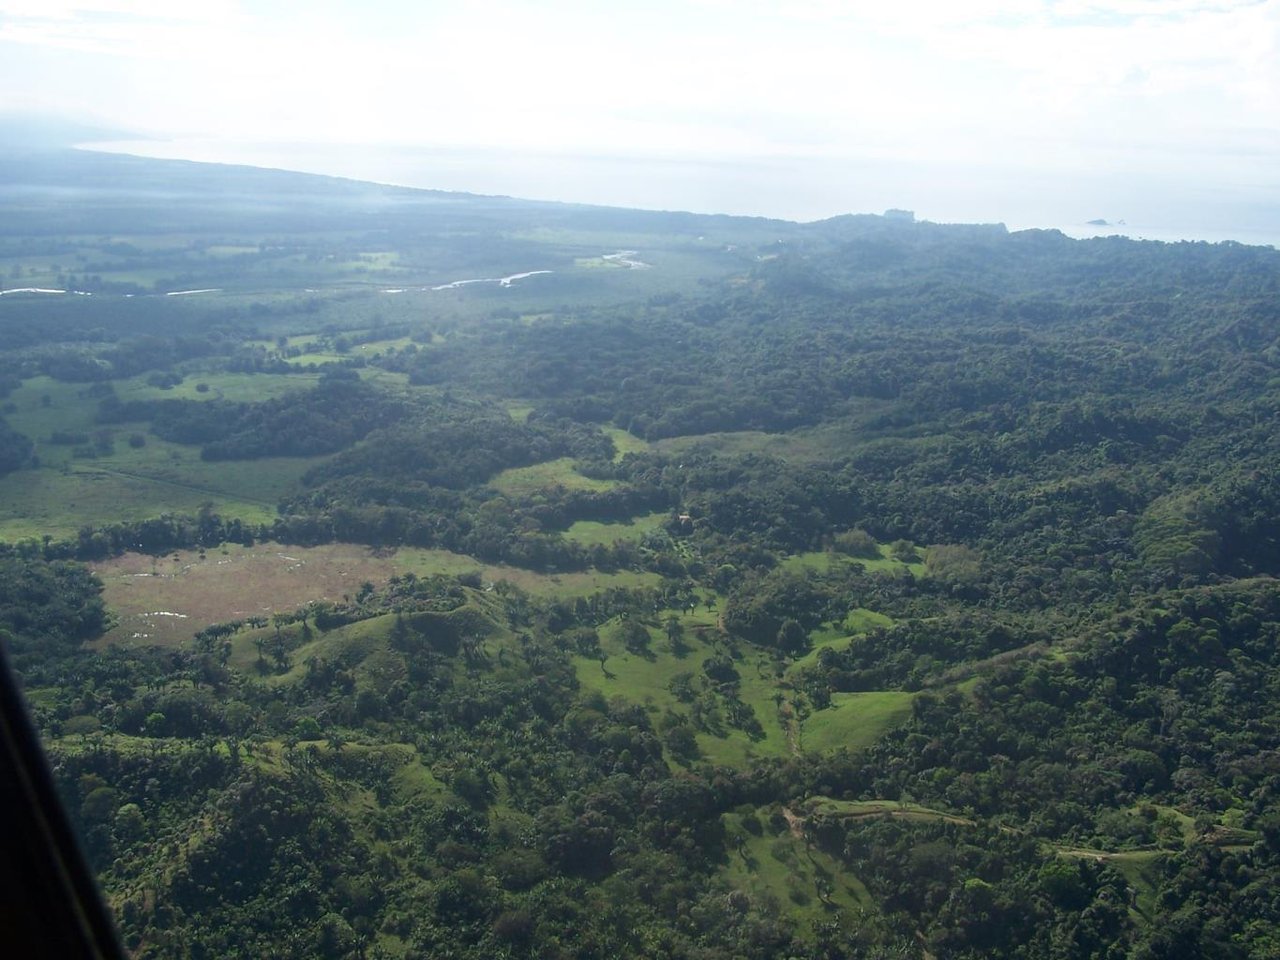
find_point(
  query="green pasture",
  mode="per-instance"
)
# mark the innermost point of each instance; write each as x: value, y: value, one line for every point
x: 58, y: 503
x: 364, y: 646
x: 624, y: 442
x: 262, y: 482
x: 760, y: 691
x: 771, y: 864
x: 43, y: 405
x: 727, y: 444
x: 316, y: 353
x: 525, y: 481
x: 71, y: 408
x: 830, y: 807
x: 74, y: 485
x: 426, y: 563
x: 859, y: 621
x: 855, y: 720
x: 318, y: 359
x: 1141, y: 869
x: 592, y: 532
x: 646, y: 678
x: 390, y: 380
x: 821, y: 561
x: 352, y: 643
x: 236, y: 387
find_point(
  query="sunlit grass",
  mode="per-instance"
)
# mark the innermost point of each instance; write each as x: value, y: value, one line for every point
x: 522, y: 481
x: 855, y: 720
x: 34, y: 503
x: 859, y: 621
x: 425, y: 563
x: 625, y: 442
x: 773, y: 864
x: 821, y: 561
x: 591, y: 532
x: 646, y: 679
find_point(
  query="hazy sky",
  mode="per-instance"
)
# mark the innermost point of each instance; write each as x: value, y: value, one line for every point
x: 1187, y: 90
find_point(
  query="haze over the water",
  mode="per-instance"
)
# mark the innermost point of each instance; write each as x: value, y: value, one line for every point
x: 1158, y: 113
x: 792, y: 188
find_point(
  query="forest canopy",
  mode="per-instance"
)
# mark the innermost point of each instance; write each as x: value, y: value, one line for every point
x: 862, y: 588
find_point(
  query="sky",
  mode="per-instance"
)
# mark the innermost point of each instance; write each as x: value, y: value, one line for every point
x: 1180, y: 95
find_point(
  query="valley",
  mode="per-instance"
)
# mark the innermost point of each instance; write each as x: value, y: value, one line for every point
x: 866, y: 587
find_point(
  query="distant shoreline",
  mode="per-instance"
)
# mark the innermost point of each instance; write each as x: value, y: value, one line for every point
x: 795, y: 189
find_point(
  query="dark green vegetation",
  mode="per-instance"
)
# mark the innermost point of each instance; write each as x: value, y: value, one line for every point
x: 885, y: 589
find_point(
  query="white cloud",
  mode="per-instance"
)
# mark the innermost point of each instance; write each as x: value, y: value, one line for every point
x: 1014, y: 82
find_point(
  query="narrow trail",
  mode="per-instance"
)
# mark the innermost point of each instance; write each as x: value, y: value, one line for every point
x: 787, y: 716
x: 795, y: 822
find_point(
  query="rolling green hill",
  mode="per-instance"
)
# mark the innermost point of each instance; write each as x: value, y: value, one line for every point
x: 856, y: 588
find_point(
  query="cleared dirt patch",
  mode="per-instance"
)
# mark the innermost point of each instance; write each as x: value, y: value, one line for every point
x: 164, y: 600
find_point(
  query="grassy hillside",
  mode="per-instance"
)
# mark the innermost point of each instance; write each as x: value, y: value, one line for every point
x: 857, y: 588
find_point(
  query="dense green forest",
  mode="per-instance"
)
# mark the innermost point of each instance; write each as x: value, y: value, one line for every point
x: 705, y: 587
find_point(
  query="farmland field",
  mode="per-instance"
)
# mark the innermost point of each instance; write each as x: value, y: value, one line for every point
x: 231, y: 582
x: 164, y: 600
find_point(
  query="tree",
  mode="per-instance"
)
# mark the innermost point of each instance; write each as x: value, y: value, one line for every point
x: 635, y: 637
x: 756, y: 610
x: 100, y: 804
x: 307, y: 729
x: 675, y: 636
x: 954, y: 563
x: 792, y: 638
x: 856, y: 543
x: 129, y: 822
x: 904, y: 551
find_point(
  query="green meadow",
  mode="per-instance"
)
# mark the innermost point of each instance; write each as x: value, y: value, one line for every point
x: 855, y: 720
x: 820, y: 561
x: 769, y: 861
x: 591, y: 532
x: 524, y: 481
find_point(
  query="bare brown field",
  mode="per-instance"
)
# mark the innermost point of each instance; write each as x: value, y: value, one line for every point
x: 164, y: 600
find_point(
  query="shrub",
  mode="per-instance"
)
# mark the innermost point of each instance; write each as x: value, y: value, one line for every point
x: 856, y: 543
